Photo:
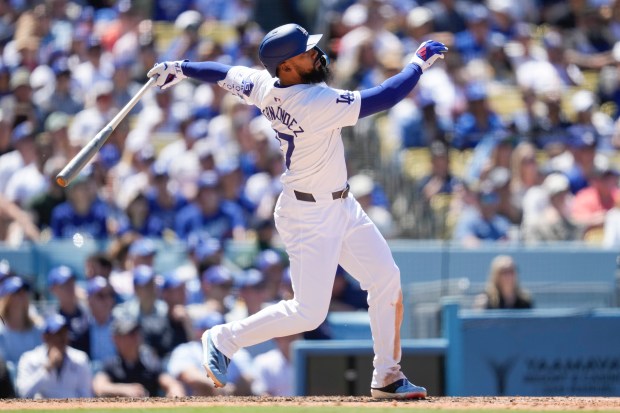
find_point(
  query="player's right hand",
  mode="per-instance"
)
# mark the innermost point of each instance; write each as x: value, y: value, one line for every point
x: 428, y: 52
x: 167, y: 73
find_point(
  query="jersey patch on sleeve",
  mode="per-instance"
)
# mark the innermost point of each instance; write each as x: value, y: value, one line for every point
x: 347, y: 98
x: 248, y: 86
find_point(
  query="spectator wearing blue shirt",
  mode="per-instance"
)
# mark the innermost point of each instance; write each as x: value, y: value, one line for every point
x: 475, y: 41
x: 164, y: 204
x: 209, y: 213
x: 482, y: 224
x: 18, y: 332
x: 478, y: 121
x: 101, y: 301
x: 83, y: 212
x: 581, y: 142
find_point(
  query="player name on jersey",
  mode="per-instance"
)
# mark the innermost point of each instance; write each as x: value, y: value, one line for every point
x: 277, y: 113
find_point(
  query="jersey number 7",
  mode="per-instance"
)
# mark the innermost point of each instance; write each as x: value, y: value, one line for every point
x: 290, y: 147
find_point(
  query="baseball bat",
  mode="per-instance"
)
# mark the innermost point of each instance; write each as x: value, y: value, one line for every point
x: 73, y: 168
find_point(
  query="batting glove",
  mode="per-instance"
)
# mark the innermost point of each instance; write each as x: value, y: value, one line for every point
x: 167, y: 73
x: 427, y: 53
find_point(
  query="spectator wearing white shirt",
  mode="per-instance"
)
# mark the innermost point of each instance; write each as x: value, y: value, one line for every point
x: 274, y: 371
x: 53, y: 369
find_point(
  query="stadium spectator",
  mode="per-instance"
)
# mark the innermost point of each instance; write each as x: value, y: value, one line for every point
x: 54, y: 369
x: 61, y: 283
x: 136, y: 371
x: 83, y: 212
x: 20, y: 331
x: 150, y: 311
x: 101, y: 301
x: 591, y: 204
x: 185, y: 364
x: 173, y: 292
x: 482, y: 223
x: 217, y: 283
x: 502, y: 290
x: 273, y: 370
x: 551, y: 220
x: 210, y: 214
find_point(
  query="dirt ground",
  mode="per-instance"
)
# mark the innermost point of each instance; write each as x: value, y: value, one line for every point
x: 510, y: 403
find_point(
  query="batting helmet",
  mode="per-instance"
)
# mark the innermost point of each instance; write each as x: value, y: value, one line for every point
x: 285, y: 42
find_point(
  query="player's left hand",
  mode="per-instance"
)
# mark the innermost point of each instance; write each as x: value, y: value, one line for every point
x: 168, y: 73
x: 428, y: 53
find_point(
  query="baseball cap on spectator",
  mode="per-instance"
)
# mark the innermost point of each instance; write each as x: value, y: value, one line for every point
x: 22, y: 131
x: 11, y: 285
x: 143, y: 274
x: 583, y: 101
x: 5, y: 269
x: 556, y: 183
x: 142, y: 247
x: 207, y: 248
x: 477, y: 13
x: 61, y: 66
x: 146, y: 154
x: 188, y: 20
x: 581, y: 136
x: 355, y: 15
x: 96, y: 284
x: 21, y: 77
x: 419, y: 16
x: 56, y: 121
x: 250, y: 278
x: 159, y: 170
x: 208, y: 179
x: 361, y: 185
x: 102, y: 88
x: 208, y: 321
x: 267, y: 258
x: 171, y: 280
x: 217, y: 275
x: 59, y: 275
x: 54, y: 323
x: 197, y: 129
x: 124, y: 324
x: 475, y: 91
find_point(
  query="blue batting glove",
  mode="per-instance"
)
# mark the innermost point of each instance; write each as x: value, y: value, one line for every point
x: 427, y: 53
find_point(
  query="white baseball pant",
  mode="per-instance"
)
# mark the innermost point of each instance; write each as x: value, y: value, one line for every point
x: 318, y: 236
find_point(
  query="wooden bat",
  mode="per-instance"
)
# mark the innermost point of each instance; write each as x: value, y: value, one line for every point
x: 80, y: 160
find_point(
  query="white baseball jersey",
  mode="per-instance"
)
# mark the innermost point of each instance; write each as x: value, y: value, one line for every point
x: 307, y: 120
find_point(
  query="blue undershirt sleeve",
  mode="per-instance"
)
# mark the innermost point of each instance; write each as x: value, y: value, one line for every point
x: 390, y: 92
x: 211, y: 72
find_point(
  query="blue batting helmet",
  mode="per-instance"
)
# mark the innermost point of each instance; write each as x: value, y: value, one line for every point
x: 285, y: 42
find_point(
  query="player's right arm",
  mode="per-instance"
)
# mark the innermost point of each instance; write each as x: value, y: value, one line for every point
x: 239, y: 80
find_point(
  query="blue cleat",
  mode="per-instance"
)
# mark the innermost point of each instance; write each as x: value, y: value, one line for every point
x: 400, y: 389
x: 214, y: 361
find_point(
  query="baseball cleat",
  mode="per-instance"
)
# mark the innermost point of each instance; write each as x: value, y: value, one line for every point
x: 214, y: 361
x: 400, y: 389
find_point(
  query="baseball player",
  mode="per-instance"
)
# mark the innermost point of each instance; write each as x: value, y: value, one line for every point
x: 320, y: 223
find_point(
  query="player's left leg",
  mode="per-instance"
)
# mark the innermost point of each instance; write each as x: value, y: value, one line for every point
x: 367, y: 257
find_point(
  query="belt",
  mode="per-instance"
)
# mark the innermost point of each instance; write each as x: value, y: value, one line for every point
x: 304, y: 196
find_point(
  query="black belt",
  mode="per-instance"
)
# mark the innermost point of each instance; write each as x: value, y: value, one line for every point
x: 304, y: 196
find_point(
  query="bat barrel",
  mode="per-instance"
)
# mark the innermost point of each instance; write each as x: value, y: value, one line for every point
x: 80, y: 160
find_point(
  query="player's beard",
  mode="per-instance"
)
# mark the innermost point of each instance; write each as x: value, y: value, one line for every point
x: 317, y: 75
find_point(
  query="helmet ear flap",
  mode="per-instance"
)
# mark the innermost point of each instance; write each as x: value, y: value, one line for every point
x: 323, y: 58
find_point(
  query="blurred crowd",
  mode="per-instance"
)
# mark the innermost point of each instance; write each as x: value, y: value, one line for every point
x: 194, y: 165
